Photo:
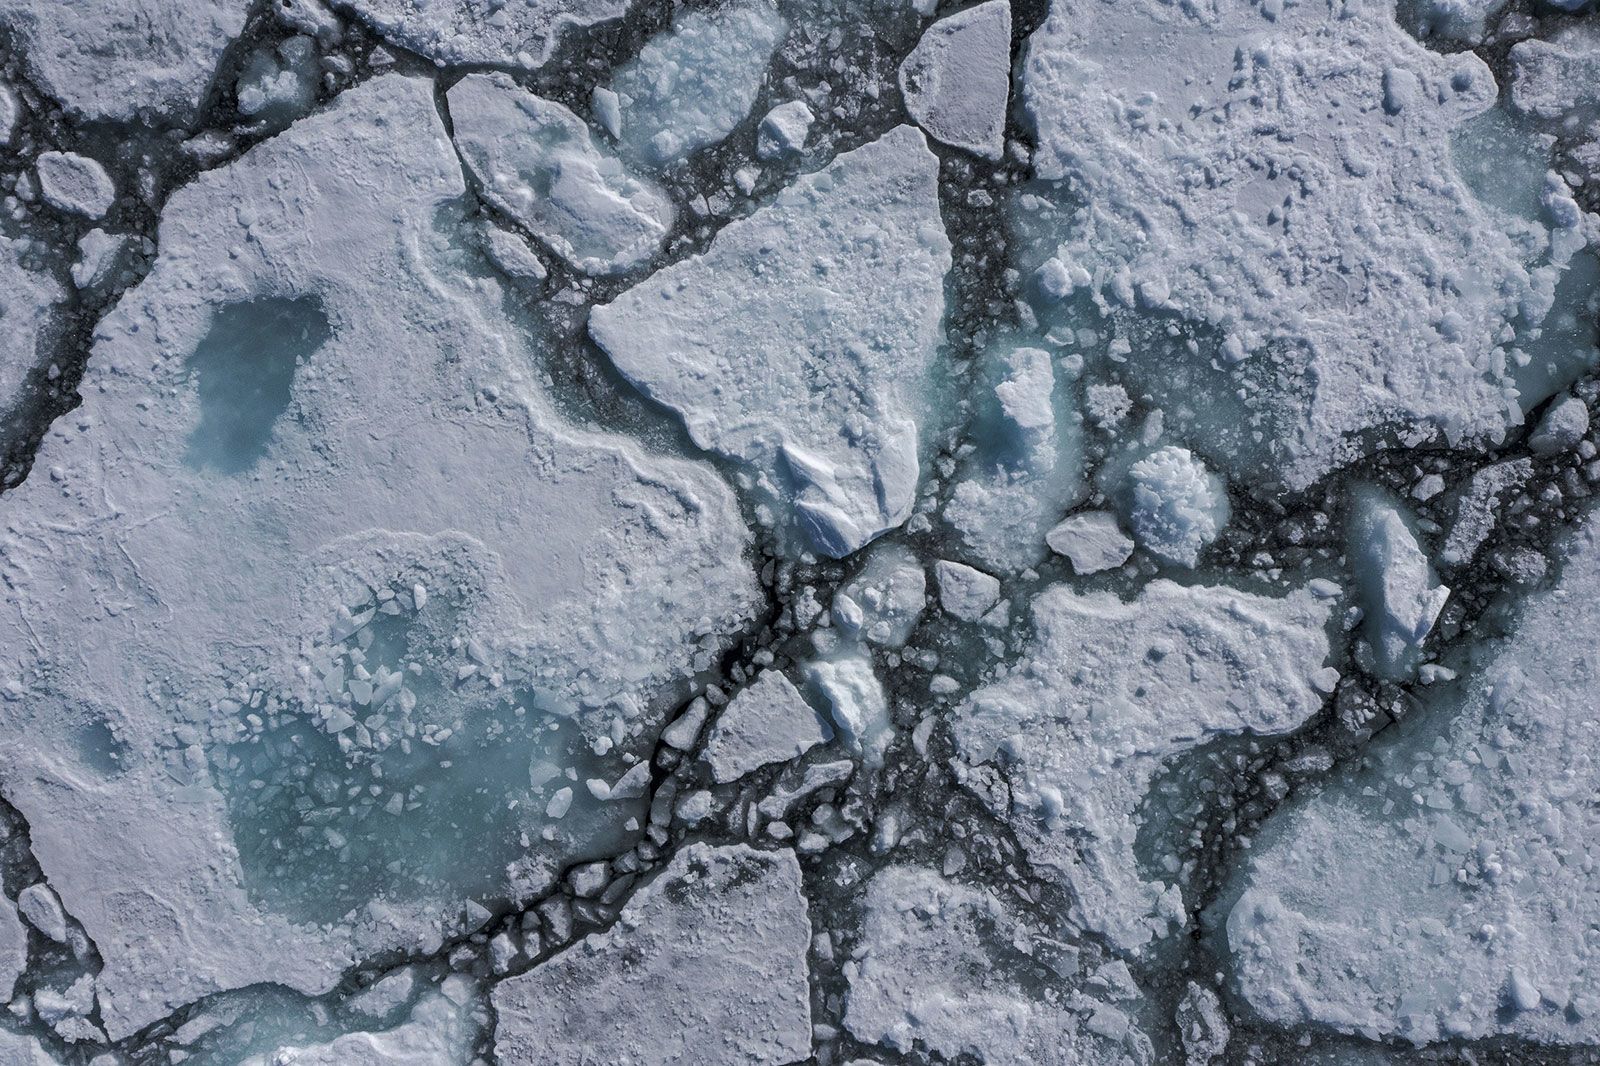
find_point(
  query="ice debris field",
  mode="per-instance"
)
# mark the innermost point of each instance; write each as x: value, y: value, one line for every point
x: 761, y: 532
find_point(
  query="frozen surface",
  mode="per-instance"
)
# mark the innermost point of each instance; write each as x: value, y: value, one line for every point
x: 706, y: 965
x: 31, y: 306
x: 1093, y: 541
x: 519, y: 34
x: 434, y: 1034
x: 75, y: 184
x: 957, y: 81
x: 839, y: 282
x: 1400, y: 593
x: 766, y: 722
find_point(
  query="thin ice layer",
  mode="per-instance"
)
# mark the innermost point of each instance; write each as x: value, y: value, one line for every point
x: 1448, y: 887
x: 309, y: 454
x: 705, y: 965
x: 535, y: 161
x: 1106, y: 693
x: 118, y: 60
x: 839, y: 284
x: 513, y: 33
x: 1282, y: 177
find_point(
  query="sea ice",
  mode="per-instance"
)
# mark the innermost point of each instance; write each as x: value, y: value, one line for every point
x: 1093, y: 541
x: 882, y: 602
x: 964, y: 592
x: 1176, y: 507
x: 706, y: 965
x: 1558, y: 79
x: 850, y: 688
x: 13, y: 949
x: 1106, y: 693
x: 839, y: 283
x: 510, y: 33
x: 1561, y: 427
x: 690, y: 86
x: 278, y: 85
x: 315, y: 528
x: 783, y: 131
x: 957, y: 81
x: 1400, y: 594
x: 75, y: 184
x: 535, y: 161
x: 767, y: 721
x: 31, y: 313
x: 435, y: 1034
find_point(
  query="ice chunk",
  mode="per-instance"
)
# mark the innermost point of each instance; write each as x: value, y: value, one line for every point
x: 936, y: 970
x: 1109, y: 690
x: 705, y: 965
x: 839, y: 283
x: 690, y: 86
x: 1092, y: 540
x: 42, y: 907
x: 850, y: 688
x: 957, y: 81
x: 437, y: 1033
x: 964, y: 592
x: 13, y: 949
x: 882, y: 602
x: 1561, y: 428
x: 518, y: 33
x: 783, y: 131
x: 1452, y: 874
x: 1478, y: 505
x: 17, y: 1050
x: 116, y: 60
x: 1400, y: 594
x: 1176, y: 507
x: 1559, y: 78
x: 535, y: 161
x: 278, y: 85
x: 30, y: 314
x: 386, y: 995
x: 310, y: 454
x: 767, y: 721
x: 1310, y: 183
x: 99, y: 255
x: 75, y: 184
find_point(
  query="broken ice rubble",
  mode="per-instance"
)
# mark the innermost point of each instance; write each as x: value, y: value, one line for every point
x: 839, y: 282
x: 766, y: 722
x: 514, y: 33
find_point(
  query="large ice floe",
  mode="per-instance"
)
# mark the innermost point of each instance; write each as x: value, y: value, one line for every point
x: 517, y: 34
x: 839, y: 283
x: 314, y: 576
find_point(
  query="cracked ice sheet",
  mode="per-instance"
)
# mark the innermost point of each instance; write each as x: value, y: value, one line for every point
x: 1107, y: 692
x: 839, y: 283
x: 164, y: 568
x: 1449, y: 889
x: 706, y: 965
x: 1341, y: 260
x: 519, y: 34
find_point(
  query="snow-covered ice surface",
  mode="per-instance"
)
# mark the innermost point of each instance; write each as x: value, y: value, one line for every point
x: 844, y: 532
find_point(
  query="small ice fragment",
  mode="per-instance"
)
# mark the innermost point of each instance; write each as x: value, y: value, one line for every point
x: 384, y: 997
x: 633, y: 784
x: 768, y: 721
x: 13, y: 949
x: 75, y: 184
x: 1400, y: 593
x: 885, y: 598
x: 99, y: 253
x: 957, y: 80
x: 10, y: 113
x: 784, y: 130
x: 42, y: 907
x: 965, y: 592
x: 607, y: 110
x: 278, y: 85
x: 1524, y: 995
x: 559, y: 804
x: 1092, y: 541
x: 1561, y: 428
x: 860, y: 708
x: 1177, y: 507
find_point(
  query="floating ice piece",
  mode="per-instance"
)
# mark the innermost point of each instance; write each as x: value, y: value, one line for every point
x: 860, y: 709
x: 1455, y: 872
x: 1557, y: 78
x: 767, y: 721
x: 278, y: 85
x: 30, y: 315
x: 385, y: 996
x: 885, y: 598
x: 517, y: 33
x: 690, y: 86
x: 936, y: 969
x: 957, y: 81
x: 1400, y: 593
x: 42, y: 907
x: 1106, y: 693
x: 1202, y: 1025
x: 17, y: 1050
x: 783, y: 131
x: 839, y: 283
x: 99, y: 255
x: 1478, y: 506
x: 706, y: 965
x: 13, y: 949
x: 116, y: 60
x: 418, y: 486
x: 1176, y: 507
x: 1561, y: 428
x: 75, y: 184
x: 1325, y: 135
x: 1093, y: 541
x: 964, y: 592
x: 537, y: 163
x: 10, y: 113
x: 437, y: 1033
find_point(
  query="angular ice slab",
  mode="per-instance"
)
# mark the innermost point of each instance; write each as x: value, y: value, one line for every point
x: 1282, y: 177
x: 536, y: 162
x: 937, y: 970
x: 690, y: 86
x: 839, y: 285
x: 510, y: 33
x: 957, y: 81
x: 1400, y: 594
x: 706, y: 965
x: 315, y: 593
x: 767, y: 721
x: 118, y: 60
x: 1449, y: 887
x: 1110, y: 690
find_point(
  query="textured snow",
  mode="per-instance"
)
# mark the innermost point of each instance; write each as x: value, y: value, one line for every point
x: 1092, y: 541
x: 957, y: 81
x: 1447, y: 887
x: 767, y: 721
x: 515, y: 33
x: 882, y: 602
x: 705, y: 965
x: 850, y: 689
x: 75, y: 184
x: 13, y: 949
x: 965, y: 592
x: 1400, y: 594
x: 116, y: 60
x: 838, y: 282
x: 23, y: 1051
x: 1176, y: 507
x: 1106, y: 692
x: 1282, y: 176
x: 1559, y: 78
x: 433, y: 1035
x: 194, y: 563
x: 691, y: 85
x: 535, y: 161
